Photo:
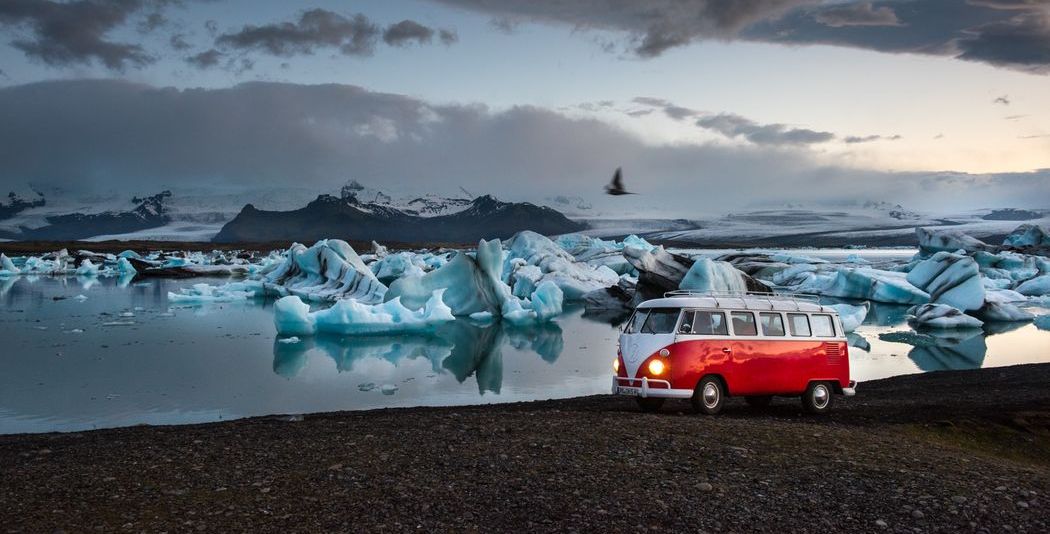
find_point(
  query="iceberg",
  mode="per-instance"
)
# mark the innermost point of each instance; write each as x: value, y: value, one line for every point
x: 864, y: 283
x: 7, y: 267
x: 544, y: 305
x: 1028, y: 235
x: 292, y: 317
x: 852, y: 316
x: 943, y: 316
x: 952, y: 279
x: 527, y: 248
x: 1035, y: 287
x: 327, y: 271
x: 1042, y: 322
x: 87, y: 269
x: 598, y: 252
x: 124, y: 267
x: 710, y: 275
x: 390, y: 267
x: 933, y: 240
x: 472, y: 284
x: 205, y: 293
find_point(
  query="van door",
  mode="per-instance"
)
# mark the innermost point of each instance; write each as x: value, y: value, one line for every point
x: 646, y: 333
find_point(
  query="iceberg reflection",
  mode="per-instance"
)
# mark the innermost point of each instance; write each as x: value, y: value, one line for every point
x: 461, y: 347
x: 943, y: 350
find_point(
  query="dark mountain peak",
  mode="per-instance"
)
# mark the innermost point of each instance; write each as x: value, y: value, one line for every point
x: 151, y: 207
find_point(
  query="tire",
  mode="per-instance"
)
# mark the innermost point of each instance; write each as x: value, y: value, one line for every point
x: 759, y: 401
x: 818, y: 398
x: 709, y: 396
x: 650, y: 404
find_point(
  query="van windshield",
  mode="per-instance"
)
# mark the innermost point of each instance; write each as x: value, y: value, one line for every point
x: 661, y: 321
x: 636, y: 322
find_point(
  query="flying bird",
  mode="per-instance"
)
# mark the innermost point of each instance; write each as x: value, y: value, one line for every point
x: 615, y: 187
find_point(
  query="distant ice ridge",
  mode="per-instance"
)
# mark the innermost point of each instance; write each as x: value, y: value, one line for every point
x: 205, y: 293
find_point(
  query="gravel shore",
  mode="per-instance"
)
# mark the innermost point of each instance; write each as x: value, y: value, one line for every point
x: 965, y: 451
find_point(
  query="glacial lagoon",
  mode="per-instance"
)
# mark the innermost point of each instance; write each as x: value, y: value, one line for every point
x: 83, y: 353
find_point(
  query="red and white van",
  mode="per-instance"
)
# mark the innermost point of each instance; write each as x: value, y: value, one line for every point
x: 709, y: 346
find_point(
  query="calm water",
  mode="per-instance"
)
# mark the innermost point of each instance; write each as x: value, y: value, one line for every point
x: 126, y: 356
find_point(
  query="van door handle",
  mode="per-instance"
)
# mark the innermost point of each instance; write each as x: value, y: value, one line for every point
x: 727, y: 350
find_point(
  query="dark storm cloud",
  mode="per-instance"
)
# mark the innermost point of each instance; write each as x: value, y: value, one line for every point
x: 68, y: 33
x: 1006, y: 33
x: 654, y: 25
x: 315, y: 28
x: 270, y: 134
x: 407, y: 31
x: 858, y: 14
x: 206, y: 59
x: 734, y: 126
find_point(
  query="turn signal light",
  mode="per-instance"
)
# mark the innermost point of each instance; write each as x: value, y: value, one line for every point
x: 657, y: 367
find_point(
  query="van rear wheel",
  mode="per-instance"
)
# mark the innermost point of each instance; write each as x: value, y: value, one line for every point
x: 650, y: 404
x: 709, y: 396
x: 817, y: 398
x: 759, y: 401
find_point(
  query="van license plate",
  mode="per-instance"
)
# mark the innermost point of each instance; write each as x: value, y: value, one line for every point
x: 622, y: 390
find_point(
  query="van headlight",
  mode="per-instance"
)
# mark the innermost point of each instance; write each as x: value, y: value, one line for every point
x: 657, y: 367
x: 616, y: 365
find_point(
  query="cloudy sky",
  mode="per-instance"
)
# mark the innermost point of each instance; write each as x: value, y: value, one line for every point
x: 938, y: 104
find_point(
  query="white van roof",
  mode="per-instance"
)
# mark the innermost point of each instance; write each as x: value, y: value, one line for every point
x: 739, y: 301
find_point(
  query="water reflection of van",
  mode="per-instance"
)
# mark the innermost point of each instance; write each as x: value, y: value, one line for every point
x: 708, y: 346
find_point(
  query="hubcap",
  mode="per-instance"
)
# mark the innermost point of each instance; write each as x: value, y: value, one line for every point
x: 710, y: 395
x: 820, y: 396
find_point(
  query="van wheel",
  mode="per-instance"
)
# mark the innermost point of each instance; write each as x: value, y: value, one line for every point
x: 709, y: 396
x: 759, y: 401
x: 650, y: 404
x: 817, y: 398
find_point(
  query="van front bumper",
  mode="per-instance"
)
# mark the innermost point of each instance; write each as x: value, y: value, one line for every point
x: 851, y: 390
x: 644, y: 387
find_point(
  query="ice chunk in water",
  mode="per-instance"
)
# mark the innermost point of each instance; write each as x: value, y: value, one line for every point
x: 124, y: 266
x: 943, y: 316
x: 952, y: 279
x: 328, y: 270
x: 711, y: 275
x: 852, y: 316
x: 1035, y: 287
x: 527, y: 248
x: 87, y: 269
x: 472, y: 283
x: 545, y: 304
x: 865, y: 284
x: 350, y: 317
x: 1042, y: 322
x: 204, y: 293
x: 932, y: 240
x: 292, y: 317
x: 1028, y: 235
x: 7, y: 267
x: 393, y: 266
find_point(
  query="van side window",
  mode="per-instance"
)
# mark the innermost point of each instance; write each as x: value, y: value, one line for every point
x: 709, y: 324
x: 822, y: 326
x: 636, y: 322
x: 799, y: 324
x: 744, y: 324
x: 772, y: 324
x: 661, y: 321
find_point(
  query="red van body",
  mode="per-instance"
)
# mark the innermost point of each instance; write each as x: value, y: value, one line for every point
x: 755, y: 346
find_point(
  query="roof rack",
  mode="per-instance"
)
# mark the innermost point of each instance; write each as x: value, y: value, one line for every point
x: 768, y: 297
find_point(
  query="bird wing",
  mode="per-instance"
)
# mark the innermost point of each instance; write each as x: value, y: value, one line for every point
x: 617, y: 181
